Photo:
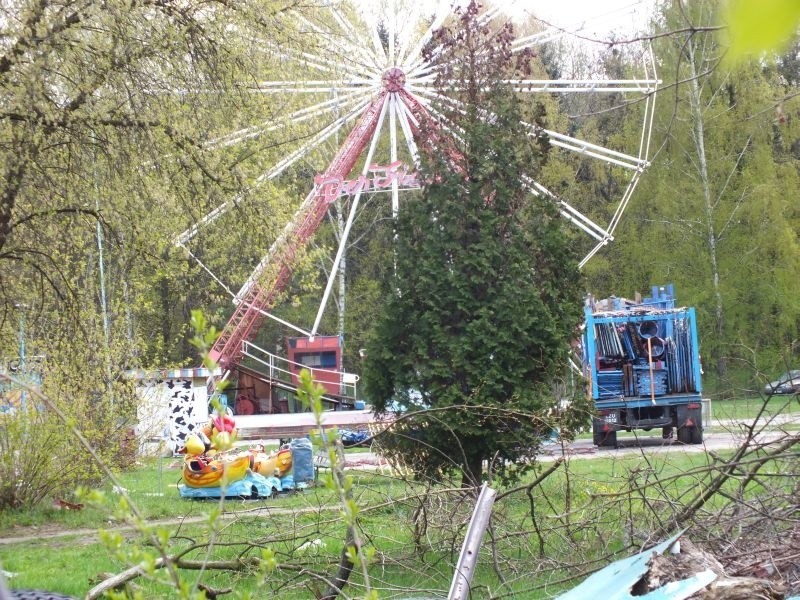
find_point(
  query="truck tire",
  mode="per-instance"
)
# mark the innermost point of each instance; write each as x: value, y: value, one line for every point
x: 605, y: 439
x: 697, y: 435
x: 690, y: 435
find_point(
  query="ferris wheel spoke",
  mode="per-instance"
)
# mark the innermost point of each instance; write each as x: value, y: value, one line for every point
x: 313, y: 86
x: 446, y: 124
x: 406, y: 34
x: 324, y: 64
x: 585, y: 148
x: 332, y: 106
x: 567, y: 211
x: 562, y: 86
x: 380, y: 52
x: 393, y: 118
x: 489, y: 15
x: 347, y: 49
x: 378, y: 57
x: 552, y: 33
x: 345, y: 45
x: 599, y: 246
x: 404, y: 116
x: 414, y: 58
x: 392, y: 21
x: 623, y: 202
x: 570, y: 213
x: 558, y: 140
x: 325, y: 134
x: 350, y: 217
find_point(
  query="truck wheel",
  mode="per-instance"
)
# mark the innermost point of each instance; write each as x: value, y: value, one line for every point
x: 685, y: 435
x: 697, y: 435
x: 605, y: 439
x: 690, y: 435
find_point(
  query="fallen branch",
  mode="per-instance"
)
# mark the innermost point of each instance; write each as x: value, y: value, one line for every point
x: 132, y: 573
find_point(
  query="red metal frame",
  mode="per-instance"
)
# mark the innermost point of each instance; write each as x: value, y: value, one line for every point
x: 261, y: 296
x: 329, y: 376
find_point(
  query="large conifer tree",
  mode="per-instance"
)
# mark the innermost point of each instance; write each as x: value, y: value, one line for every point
x: 487, y: 291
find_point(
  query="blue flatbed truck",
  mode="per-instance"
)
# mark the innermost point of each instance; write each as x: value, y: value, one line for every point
x: 642, y: 363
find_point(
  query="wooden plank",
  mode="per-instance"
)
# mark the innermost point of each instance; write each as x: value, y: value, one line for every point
x: 283, y: 425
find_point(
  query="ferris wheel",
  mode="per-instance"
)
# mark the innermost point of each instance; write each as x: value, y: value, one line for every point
x: 364, y: 80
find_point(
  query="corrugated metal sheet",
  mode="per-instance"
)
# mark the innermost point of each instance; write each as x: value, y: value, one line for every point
x: 617, y: 579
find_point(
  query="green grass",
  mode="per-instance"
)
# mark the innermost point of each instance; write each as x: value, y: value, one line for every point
x: 749, y: 408
x: 153, y: 487
x: 578, y: 510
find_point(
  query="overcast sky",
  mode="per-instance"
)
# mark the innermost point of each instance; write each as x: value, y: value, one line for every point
x: 600, y: 16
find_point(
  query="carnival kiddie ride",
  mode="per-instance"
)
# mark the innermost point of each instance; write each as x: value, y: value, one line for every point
x: 214, y: 467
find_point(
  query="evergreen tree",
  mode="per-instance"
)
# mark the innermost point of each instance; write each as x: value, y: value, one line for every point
x: 486, y: 294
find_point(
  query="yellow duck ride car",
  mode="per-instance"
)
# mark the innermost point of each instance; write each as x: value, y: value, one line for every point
x: 203, y: 468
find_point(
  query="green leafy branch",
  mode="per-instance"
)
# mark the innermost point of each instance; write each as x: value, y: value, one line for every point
x: 354, y: 552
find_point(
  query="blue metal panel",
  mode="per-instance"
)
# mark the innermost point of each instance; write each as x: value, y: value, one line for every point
x: 590, y: 352
x: 617, y: 579
x: 695, y: 352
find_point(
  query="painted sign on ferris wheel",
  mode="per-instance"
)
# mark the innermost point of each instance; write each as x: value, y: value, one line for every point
x: 378, y: 178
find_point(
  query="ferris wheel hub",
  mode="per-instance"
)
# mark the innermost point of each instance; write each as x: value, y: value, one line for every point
x: 394, y: 79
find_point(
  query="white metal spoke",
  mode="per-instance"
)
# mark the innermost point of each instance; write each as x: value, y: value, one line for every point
x: 551, y: 32
x: 623, y: 203
x: 361, y: 47
x: 592, y: 252
x: 276, y: 170
x: 350, y: 217
x: 404, y: 116
x: 564, y: 86
x: 353, y: 51
x: 320, y: 63
x: 324, y: 135
x: 588, y: 149
x: 380, y: 52
x: 392, y: 19
x: 447, y: 125
x: 571, y: 214
x: 332, y: 106
x: 568, y: 212
x: 315, y: 86
x: 406, y: 33
x: 414, y: 58
x: 393, y: 150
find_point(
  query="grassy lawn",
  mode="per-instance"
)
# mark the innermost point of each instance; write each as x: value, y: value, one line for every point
x: 284, y: 523
x: 750, y: 408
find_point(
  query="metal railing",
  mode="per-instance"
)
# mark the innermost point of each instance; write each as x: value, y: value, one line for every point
x: 284, y: 370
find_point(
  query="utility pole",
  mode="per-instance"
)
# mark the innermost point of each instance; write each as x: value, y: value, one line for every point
x: 22, y: 371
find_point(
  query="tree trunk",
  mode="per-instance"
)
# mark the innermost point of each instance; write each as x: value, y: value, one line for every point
x: 711, y: 235
x: 472, y: 475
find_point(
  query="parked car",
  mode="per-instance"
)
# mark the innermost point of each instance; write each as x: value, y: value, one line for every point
x: 788, y: 383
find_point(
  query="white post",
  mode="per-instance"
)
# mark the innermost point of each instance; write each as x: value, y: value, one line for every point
x: 459, y: 589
